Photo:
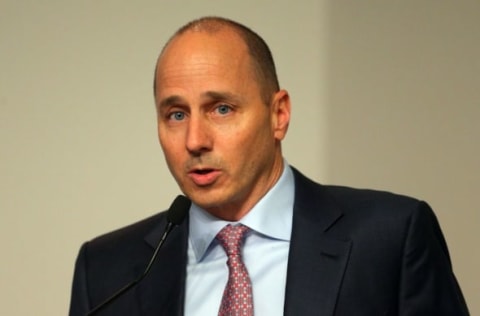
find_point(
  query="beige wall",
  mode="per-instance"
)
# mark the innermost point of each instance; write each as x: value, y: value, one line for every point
x: 385, y: 95
x: 403, y: 111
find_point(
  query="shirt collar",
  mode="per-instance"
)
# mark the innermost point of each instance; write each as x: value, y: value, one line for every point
x: 271, y: 217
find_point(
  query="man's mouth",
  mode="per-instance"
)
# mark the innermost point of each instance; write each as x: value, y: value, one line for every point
x: 204, y: 176
x: 203, y: 171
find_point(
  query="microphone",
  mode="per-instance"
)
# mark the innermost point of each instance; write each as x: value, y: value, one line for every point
x: 175, y: 216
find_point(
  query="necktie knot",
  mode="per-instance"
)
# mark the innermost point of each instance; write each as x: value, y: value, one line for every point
x: 231, y: 238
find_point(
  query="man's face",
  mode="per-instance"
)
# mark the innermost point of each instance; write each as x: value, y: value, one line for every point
x: 221, y: 142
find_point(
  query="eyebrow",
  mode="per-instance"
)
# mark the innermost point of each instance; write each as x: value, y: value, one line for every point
x: 211, y: 95
x: 174, y: 99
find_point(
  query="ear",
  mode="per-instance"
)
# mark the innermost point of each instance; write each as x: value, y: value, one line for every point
x: 280, y: 110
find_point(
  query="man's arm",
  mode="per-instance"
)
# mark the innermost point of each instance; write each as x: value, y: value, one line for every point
x: 79, y: 304
x: 428, y: 285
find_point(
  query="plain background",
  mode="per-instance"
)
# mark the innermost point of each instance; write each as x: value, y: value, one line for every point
x: 385, y: 95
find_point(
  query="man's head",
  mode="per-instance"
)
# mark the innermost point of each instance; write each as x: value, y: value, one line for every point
x: 261, y: 59
x: 221, y: 117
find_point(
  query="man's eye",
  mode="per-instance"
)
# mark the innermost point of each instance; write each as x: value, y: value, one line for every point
x: 177, y: 116
x: 223, y: 109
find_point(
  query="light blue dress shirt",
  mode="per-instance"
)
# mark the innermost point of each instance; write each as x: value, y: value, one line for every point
x: 265, y: 253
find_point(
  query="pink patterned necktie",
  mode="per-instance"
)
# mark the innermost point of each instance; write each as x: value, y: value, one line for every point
x: 237, y: 297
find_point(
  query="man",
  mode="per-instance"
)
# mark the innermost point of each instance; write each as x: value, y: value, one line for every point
x: 308, y: 249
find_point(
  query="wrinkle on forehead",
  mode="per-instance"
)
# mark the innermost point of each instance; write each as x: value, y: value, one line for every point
x: 199, y: 71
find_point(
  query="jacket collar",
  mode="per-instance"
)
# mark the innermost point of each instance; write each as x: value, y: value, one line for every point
x: 317, y: 261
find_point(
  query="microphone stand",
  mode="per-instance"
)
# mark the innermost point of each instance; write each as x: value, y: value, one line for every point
x: 175, y: 216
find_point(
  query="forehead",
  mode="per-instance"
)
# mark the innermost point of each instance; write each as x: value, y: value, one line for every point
x: 203, y: 52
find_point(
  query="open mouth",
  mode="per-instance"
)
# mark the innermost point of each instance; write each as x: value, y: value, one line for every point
x: 203, y: 171
x: 205, y: 176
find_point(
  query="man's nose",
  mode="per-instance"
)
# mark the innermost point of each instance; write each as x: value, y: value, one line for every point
x: 199, y: 138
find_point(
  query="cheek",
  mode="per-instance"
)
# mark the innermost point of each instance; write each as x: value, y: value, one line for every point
x: 171, y: 149
x: 249, y: 146
x: 169, y: 139
x: 164, y: 145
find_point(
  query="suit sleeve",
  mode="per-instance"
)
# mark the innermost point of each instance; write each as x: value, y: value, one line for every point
x: 79, y: 303
x: 428, y: 285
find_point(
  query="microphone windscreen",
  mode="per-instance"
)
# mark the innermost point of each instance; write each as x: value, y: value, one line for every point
x: 178, y: 210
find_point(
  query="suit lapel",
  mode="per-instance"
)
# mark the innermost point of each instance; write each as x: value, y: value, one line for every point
x: 163, y: 289
x: 317, y: 261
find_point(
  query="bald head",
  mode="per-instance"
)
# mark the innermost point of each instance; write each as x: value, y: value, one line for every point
x: 261, y: 60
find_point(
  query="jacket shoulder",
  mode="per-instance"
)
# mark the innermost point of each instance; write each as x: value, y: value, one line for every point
x: 115, y: 253
x: 352, y: 200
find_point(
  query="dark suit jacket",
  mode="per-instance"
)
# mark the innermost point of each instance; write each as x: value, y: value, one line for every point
x: 352, y: 253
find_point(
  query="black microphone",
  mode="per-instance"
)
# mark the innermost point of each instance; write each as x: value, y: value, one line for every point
x: 175, y: 216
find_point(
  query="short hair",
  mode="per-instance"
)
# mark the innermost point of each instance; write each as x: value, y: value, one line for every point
x: 261, y: 57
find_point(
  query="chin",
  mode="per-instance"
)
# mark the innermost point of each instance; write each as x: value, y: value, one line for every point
x: 206, y: 200
x: 203, y: 201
